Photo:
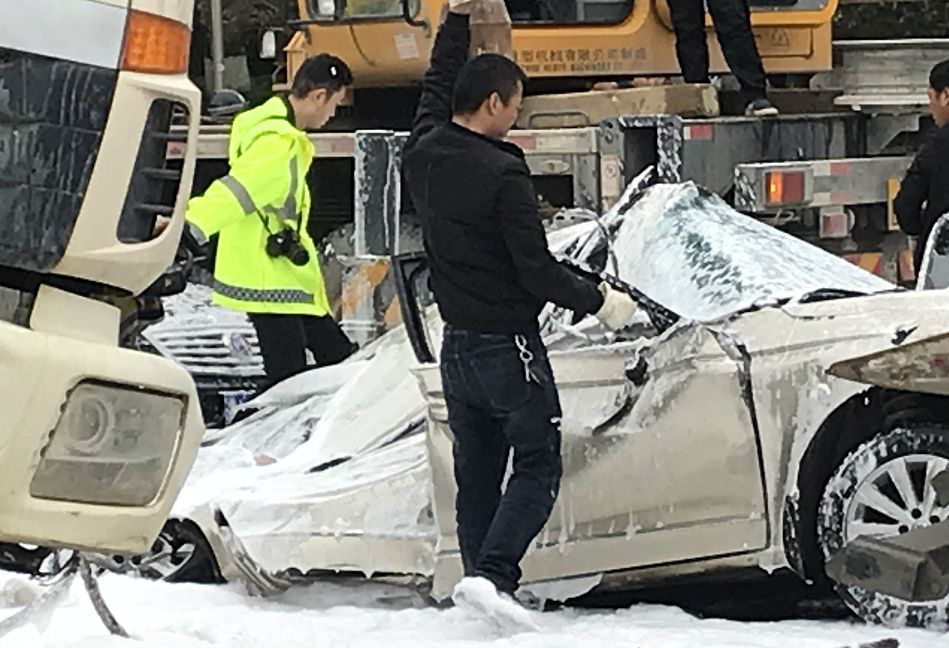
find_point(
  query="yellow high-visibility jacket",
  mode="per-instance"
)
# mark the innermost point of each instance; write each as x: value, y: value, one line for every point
x: 269, y: 159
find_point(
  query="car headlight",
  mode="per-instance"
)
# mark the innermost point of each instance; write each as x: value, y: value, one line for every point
x: 112, y: 445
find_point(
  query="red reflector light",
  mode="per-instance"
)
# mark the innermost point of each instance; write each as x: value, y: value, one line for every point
x: 784, y: 187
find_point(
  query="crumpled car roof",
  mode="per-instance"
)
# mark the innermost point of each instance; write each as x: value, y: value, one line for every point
x: 688, y: 250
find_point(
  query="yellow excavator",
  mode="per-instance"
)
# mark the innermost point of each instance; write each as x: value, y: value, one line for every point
x: 387, y: 42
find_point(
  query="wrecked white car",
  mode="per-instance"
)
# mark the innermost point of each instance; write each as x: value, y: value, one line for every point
x: 778, y: 403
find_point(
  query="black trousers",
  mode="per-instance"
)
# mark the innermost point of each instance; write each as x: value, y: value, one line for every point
x: 284, y: 340
x: 493, y: 409
x: 732, y: 20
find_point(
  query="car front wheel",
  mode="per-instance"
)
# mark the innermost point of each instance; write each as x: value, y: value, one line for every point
x: 883, y: 489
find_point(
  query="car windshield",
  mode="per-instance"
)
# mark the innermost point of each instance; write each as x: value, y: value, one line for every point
x: 689, y: 251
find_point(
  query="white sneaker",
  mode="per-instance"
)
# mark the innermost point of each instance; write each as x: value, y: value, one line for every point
x: 478, y: 595
x: 760, y: 108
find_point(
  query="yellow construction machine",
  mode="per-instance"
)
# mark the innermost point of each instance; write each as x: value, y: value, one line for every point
x: 387, y: 42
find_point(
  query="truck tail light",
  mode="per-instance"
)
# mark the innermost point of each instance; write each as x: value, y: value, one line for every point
x: 155, y: 44
x: 784, y: 187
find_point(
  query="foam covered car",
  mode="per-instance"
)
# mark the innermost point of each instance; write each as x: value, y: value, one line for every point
x: 772, y: 403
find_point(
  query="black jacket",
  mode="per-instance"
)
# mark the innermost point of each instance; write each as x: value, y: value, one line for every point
x: 491, y: 270
x: 927, y: 181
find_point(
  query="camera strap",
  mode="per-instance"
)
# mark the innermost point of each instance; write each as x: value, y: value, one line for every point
x: 263, y: 221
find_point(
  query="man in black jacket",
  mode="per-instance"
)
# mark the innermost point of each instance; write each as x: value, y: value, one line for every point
x: 492, y: 273
x: 924, y: 194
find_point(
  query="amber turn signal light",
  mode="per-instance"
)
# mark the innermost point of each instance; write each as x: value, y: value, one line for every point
x: 784, y: 187
x: 155, y: 44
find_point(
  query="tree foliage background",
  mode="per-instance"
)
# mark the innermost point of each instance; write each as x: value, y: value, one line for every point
x: 888, y: 19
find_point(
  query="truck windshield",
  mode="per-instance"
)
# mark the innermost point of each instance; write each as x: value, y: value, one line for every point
x: 797, y: 5
x: 522, y: 11
x: 367, y: 9
x: 539, y: 12
x: 568, y: 12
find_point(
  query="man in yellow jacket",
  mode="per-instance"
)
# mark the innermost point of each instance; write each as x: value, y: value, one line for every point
x: 267, y: 264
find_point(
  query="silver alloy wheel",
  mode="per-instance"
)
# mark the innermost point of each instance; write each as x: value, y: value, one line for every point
x: 884, y: 488
x: 165, y: 559
x: 895, y: 498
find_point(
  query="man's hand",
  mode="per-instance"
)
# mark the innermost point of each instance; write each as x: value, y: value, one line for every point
x: 617, y: 309
x: 462, y: 7
x: 161, y: 224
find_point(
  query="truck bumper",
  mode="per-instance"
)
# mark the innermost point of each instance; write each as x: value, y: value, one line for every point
x: 71, y: 342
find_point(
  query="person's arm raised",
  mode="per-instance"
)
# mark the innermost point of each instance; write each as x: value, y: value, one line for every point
x: 449, y: 54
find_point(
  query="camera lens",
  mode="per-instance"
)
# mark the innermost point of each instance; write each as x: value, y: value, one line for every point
x: 298, y: 255
x: 275, y: 245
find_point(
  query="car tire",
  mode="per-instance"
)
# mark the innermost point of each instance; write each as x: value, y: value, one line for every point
x: 180, y: 554
x: 902, y: 460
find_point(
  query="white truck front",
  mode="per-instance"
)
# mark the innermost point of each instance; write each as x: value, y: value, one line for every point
x: 95, y: 440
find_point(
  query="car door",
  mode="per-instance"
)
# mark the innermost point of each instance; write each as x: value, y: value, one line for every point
x: 661, y: 458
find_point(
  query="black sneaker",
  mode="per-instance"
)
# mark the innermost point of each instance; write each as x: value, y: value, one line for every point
x: 760, y: 108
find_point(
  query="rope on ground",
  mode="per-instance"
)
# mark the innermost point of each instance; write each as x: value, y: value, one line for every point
x: 95, y: 595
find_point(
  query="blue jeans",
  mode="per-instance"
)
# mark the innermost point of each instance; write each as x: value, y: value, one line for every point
x: 494, y: 408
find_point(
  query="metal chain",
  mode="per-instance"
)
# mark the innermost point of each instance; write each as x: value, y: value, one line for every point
x: 525, y: 355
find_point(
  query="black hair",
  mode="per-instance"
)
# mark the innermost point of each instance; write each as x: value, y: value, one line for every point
x: 481, y: 77
x: 321, y: 71
x: 939, y: 77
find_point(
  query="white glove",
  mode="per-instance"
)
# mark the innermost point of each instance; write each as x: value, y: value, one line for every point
x: 617, y: 309
x: 463, y: 7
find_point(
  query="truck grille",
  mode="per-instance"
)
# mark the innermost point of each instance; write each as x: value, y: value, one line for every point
x: 153, y: 190
x: 52, y: 115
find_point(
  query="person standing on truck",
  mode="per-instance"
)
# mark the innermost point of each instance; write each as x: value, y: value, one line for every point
x: 924, y: 193
x: 267, y: 264
x: 492, y: 273
x: 732, y: 21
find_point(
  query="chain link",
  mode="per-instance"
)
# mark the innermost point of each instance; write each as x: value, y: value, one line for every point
x: 525, y: 355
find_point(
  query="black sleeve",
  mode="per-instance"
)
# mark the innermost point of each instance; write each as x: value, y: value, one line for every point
x: 908, y: 204
x: 537, y: 270
x: 449, y: 54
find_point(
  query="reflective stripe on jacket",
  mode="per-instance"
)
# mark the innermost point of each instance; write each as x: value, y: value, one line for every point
x: 269, y: 159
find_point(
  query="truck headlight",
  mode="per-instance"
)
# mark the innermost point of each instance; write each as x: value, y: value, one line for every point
x: 112, y: 445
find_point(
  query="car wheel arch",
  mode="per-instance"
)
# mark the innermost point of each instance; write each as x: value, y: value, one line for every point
x: 853, y: 422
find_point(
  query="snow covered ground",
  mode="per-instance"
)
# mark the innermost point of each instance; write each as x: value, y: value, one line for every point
x: 356, y: 615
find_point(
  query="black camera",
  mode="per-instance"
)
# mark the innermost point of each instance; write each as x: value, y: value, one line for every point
x: 286, y: 243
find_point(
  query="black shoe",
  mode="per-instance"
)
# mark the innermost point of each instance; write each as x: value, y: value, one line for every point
x: 760, y: 108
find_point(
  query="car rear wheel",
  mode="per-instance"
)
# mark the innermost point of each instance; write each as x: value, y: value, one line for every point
x: 883, y: 489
